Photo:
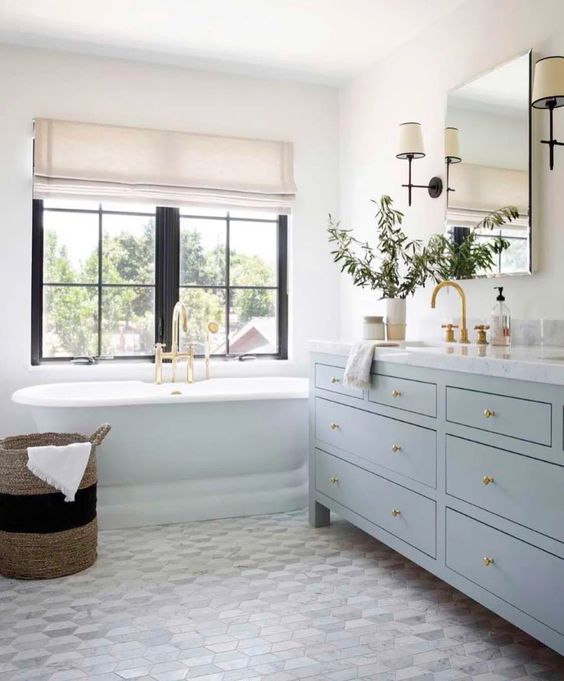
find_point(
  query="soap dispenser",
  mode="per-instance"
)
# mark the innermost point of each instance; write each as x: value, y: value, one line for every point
x: 500, y: 321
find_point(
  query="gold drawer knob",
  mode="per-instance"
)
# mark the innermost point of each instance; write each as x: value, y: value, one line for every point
x: 396, y: 393
x: 334, y: 480
x: 395, y: 512
x: 488, y: 413
x: 334, y: 426
x: 396, y: 448
x: 487, y: 480
x: 334, y: 379
x: 488, y: 561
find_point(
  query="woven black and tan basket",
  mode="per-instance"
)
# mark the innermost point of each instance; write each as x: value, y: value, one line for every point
x: 41, y: 535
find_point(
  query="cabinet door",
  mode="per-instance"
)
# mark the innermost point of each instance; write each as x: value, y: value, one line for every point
x: 404, y: 393
x: 331, y: 378
x: 523, y: 419
x: 396, y: 509
x: 525, y: 490
x: 521, y: 574
x: 401, y: 447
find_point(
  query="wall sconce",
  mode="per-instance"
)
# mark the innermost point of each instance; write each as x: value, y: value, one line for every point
x: 452, y: 152
x: 548, y: 93
x: 410, y: 147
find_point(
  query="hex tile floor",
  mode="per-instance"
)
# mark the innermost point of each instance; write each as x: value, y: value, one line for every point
x: 256, y: 598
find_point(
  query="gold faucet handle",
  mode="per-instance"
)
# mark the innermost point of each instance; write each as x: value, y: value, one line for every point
x: 449, y: 332
x: 481, y: 329
x: 189, y: 362
x: 159, y: 347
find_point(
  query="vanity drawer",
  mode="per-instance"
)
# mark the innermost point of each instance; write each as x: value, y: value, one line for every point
x: 521, y: 574
x: 401, y: 447
x: 519, y: 418
x: 403, y: 513
x: 416, y: 396
x: 331, y: 378
x: 523, y: 490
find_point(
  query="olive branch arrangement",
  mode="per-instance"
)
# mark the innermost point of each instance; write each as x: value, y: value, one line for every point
x: 398, y: 266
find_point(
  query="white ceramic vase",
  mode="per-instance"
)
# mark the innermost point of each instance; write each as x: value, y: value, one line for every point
x: 395, y: 318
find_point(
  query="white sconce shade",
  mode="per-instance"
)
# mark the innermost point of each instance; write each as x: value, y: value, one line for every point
x: 549, y: 83
x: 452, y: 145
x: 411, y: 141
x: 410, y: 147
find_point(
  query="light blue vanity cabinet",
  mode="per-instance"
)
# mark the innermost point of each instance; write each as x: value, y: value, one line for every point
x: 462, y: 473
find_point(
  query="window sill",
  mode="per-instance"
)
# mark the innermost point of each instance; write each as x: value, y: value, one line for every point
x: 132, y: 370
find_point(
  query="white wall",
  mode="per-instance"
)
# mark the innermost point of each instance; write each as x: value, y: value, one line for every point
x: 412, y: 84
x: 490, y: 138
x: 58, y: 85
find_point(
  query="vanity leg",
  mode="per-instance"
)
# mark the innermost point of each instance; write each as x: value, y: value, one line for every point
x: 319, y: 515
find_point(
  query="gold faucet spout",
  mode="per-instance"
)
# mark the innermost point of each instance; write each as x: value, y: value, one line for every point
x: 178, y: 314
x: 460, y: 290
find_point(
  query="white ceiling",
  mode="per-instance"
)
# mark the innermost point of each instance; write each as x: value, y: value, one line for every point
x: 309, y: 40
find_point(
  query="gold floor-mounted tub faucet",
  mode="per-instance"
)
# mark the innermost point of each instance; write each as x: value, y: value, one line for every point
x: 211, y: 330
x: 179, y: 315
x: 456, y: 287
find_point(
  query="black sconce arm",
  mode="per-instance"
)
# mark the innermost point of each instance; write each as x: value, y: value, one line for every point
x: 449, y: 162
x: 435, y: 186
x: 551, y: 105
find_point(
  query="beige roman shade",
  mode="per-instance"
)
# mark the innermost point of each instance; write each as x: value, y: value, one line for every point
x: 107, y: 162
x: 480, y: 190
x: 486, y: 188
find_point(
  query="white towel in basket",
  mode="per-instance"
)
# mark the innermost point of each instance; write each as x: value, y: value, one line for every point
x: 61, y: 467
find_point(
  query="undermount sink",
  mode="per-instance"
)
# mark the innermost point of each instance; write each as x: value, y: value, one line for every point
x: 475, y: 350
x: 437, y: 345
x: 423, y: 344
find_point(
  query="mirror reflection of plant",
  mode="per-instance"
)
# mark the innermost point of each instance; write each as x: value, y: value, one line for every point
x: 396, y: 268
x: 472, y: 255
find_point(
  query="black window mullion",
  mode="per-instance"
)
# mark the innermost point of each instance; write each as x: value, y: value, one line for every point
x: 100, y: 256
x: 283, y: 286
x: 37, y: 282
x: 167, y: 270
x: 227, y: 281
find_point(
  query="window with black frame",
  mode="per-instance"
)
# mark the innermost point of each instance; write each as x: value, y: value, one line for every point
x: 229, y: 273
x: 506, y: 260
x: 513, y: 259
x: 106, y: 277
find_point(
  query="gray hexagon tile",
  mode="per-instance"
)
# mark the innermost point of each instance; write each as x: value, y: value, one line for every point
x: 256, y: 599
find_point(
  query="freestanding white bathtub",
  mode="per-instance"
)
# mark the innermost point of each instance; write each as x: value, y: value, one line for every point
x: 223, y: 447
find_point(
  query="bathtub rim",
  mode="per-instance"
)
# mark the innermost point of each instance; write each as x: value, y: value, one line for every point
x: 287, y: 387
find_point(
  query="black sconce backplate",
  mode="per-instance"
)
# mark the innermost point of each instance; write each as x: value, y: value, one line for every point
x: 435, y: 187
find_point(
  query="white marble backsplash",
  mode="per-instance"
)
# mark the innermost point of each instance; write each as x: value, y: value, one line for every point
x: 524, y: 332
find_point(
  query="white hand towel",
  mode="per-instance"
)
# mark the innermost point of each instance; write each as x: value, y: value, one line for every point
x: 61, y: 467
x: 357, y: 371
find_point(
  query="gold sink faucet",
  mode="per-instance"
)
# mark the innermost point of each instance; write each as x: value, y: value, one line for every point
x: 456, y: 287
x: 179, y: 316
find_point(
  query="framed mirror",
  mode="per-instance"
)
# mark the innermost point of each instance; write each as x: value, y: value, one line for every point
x: 489, y: 197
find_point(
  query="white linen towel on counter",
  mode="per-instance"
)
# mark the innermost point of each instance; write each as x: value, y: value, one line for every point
x: 359, y: 362
x: 61, y: 467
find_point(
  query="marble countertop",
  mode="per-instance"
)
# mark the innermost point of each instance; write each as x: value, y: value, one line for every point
x: 541, y: 364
